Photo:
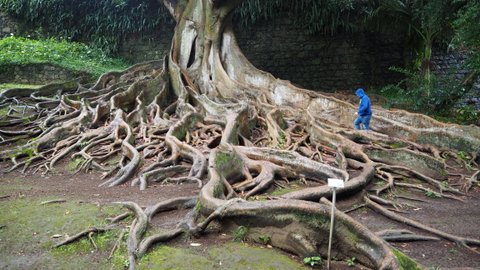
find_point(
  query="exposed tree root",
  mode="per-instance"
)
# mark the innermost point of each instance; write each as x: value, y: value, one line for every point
x: 403, y: 236
x: 206, y: 116
x: 117, y: 243
x: 53, y: 201
x: 465, y: 242
x: 81, y: 234
x: 119, y: 217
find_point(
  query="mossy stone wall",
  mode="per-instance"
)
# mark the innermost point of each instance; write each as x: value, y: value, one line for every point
x: 36, y: 74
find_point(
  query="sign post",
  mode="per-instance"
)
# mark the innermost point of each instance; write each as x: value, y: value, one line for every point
x: 334, y: 184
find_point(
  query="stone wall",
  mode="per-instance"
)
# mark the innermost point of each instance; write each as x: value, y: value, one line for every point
x: 137, y: 48
x: 319, y: 62
x: 35, y: 74
x: 8, y: 25
x: 449, y: 65
x: 315, y: 62
x: 322, y: 62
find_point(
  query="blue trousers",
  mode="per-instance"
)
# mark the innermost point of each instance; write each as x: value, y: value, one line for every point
x: 365, y: 120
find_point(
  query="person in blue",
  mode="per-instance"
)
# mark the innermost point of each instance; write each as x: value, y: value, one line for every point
x: 364, y: 110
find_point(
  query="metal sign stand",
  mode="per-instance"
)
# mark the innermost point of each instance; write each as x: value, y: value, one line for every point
x: 334, y: 184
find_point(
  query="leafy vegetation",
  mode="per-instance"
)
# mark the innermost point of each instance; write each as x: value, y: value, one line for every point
x: 265, y: 239
x: 69, y: 55
x: 467, y: 33
x: 312, y: 261
x: 422, y: 24
x: 351, y: 261
x: 325, y: 16
x: 240, y: 233
x: 432, y: 194
x: 102, y: 22
x: 418, y: 93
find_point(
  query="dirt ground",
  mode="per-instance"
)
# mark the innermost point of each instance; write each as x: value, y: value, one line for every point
x: 448, y: 215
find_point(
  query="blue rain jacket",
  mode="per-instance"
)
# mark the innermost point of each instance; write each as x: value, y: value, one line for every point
x: 365, y: 106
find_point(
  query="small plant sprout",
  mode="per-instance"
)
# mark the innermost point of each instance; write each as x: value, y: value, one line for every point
x: 265, y: 239
x: 312, y: 261
x: 432, y: 194
x: 240, y: 233
x: 351, y: 261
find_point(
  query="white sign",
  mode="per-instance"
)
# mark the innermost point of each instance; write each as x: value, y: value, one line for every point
x: 335, y: 183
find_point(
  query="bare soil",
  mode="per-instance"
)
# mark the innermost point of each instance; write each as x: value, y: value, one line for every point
x: 448, y: 215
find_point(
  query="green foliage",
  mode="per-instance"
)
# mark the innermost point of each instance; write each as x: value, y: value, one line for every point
x: 265, y: 239
x: 102, y: 22
x: 466, y: 115
x: 351, y: 261
x: 464, y: 156
x: 70, y: 55
x: 421, y: 22
x: 467, y: 32
x: 73, y: 164
x: 445, y: 184
x: 324, y: 16
x: 432, y: 194
x: 418, y: 93
x: 312, y: 261
x: 240, y: 233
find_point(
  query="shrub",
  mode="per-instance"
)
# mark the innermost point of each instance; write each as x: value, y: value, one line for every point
x: 427, y: 96
x: 70, y: 55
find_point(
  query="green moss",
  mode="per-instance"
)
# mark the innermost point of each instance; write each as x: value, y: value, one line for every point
x: 282, y: 191
x: 241, y: 256
x: 316, y: 221
x: 3, y: 111
x: 406, y: 263
x: 73, y: 164
x: 164, y: 257
x: 218, y: 190
x: 233, y: 256
x: 102, y: 240
x: 228, y: 163
x: 282, y: 139
x: 181, y: 131
x: 396, y: 145
x: 198, y: 207
x: 5, y: 86
x: 29, y: 228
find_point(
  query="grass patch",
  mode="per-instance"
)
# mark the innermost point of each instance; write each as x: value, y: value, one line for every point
x: 29, y: 228
x: 233, y: 256
x: 26, y: 241
x: 69, y: 55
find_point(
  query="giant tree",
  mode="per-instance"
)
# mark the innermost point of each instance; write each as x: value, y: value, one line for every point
x: 206, y: 115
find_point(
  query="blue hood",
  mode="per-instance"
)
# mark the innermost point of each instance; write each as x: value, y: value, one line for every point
x: 360, y: 92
